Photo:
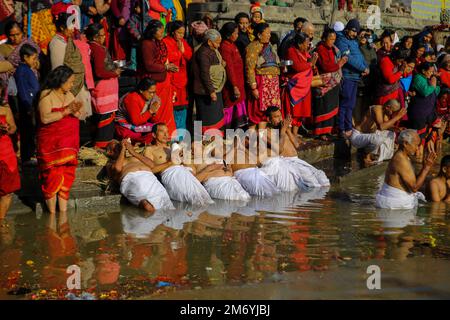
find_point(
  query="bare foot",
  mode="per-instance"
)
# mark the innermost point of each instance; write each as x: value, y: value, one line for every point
x: 147, y: 206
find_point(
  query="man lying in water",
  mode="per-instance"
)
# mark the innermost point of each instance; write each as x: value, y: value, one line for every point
x: 217, y: 177
x: 375, y: 133
x: 400, y: 188
x: 179, y: 180
x: 283, y: 166
x: 438, y: 188
x: 135, y: 176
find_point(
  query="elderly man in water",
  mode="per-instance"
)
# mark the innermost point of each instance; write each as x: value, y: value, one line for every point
x: 135, y: 175
x: 401, y: 185
x: 375, y: 134
x: 438, y: 188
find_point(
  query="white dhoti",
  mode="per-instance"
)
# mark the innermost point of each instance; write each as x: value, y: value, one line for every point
x: 143, y: 185
x: 380, y: 143
x: 256, y: 182
x: 226, y: 188
x: 392, y: 198
x: 141, y: 227
x: 290, y: 173
x: 181, y: 185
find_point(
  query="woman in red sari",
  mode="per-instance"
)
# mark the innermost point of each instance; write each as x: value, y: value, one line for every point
x: 9, y: 173
x: 58, y: 137
x: 297, y: 96
x: 179, y: 53
x: 105, y: 95
x: 391, y: 69
x: 155, y: 65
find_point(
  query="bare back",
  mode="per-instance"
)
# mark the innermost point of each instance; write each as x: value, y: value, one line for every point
x: 399, y: 169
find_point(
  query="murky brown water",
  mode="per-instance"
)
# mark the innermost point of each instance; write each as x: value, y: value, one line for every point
x: 309, y: 245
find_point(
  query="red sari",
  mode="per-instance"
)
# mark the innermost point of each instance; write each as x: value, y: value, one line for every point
x: 9, y: 173
x: 154, y: 56
x: 297, y: 95
x: 57, y: 149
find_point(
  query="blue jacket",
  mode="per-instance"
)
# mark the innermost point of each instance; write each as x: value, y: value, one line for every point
x: 27, y: 87
x: 356, y: 63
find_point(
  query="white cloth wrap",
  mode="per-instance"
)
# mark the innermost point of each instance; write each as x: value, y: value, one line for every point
x: 290, y: 173
x: 226, y: 188
x: 181, y: 185
x: 392, y: 198
x: 381, y: 143
x: 143, y: 185
x: 256, y: 182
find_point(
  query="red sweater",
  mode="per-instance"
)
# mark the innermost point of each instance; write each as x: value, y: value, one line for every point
x: 153, y: 62
x: 445, y: 77
x: 134, y: 103
x: 299, y: 60
x: 98, y: 58
x: 387, y: 71
x: 235, y: 73
x: 327, y: 59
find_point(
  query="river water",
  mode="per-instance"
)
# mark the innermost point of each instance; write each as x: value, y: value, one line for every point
x: 319, y: 244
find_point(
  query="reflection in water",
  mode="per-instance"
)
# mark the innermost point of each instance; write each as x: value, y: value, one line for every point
x: 228, y: 243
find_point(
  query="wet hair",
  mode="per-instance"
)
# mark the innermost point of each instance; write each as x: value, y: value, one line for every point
x: 152, y: 28
x: 445, y: 162
x: 145, y: 84
x: 228, y: 29
x: 57, y: 77
x: 393, y: 102
x: 11, y: 25
x: 61, y: 21
x: 271, y: 110
x: 241, y: 15
x: 173, y: 26
x: 259, y: 28
x: 400, y: 54
x: 299, y: 38
x: 92, y: 30
x: 407, y: 136
x: 426, y: 66
x: 299, y: 20
x: 156, y: 126
x: 27, y: 50
x: 110, y: 148
x: 327, y: 32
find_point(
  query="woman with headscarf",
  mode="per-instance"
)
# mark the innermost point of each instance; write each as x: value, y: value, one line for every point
x: 105, y: 95
x: 209, y: 79
x: 262, y: 72
x: 179, y: 53
x: 155, y: 65
x: 235, y: 113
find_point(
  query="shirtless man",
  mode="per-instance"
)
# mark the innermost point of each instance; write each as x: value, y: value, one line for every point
x: 283, y: 166
x: 179, y: 180
x: 438, y: 189
x: 400, y: 188
x: 375, y: 132
x: 135, y: 175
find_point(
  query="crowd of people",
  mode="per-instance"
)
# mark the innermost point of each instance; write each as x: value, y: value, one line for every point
x: 240, y: 76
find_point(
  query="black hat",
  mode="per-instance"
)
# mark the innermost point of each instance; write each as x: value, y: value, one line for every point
x: 353, y: 24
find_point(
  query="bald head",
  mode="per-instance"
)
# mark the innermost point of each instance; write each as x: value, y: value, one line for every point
x: 308, y: 28
x: 393, y: 105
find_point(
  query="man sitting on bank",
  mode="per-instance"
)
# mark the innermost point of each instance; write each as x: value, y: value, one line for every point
x: 179, y: 180
x: 135, y: 176
x: 283, y: 166
x: 375, y: 133
x: 400, y: 188
x: 438, y: 189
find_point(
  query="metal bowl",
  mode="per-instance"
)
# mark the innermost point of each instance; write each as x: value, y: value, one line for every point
x: 120, y: 63
x: 286, y: 63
